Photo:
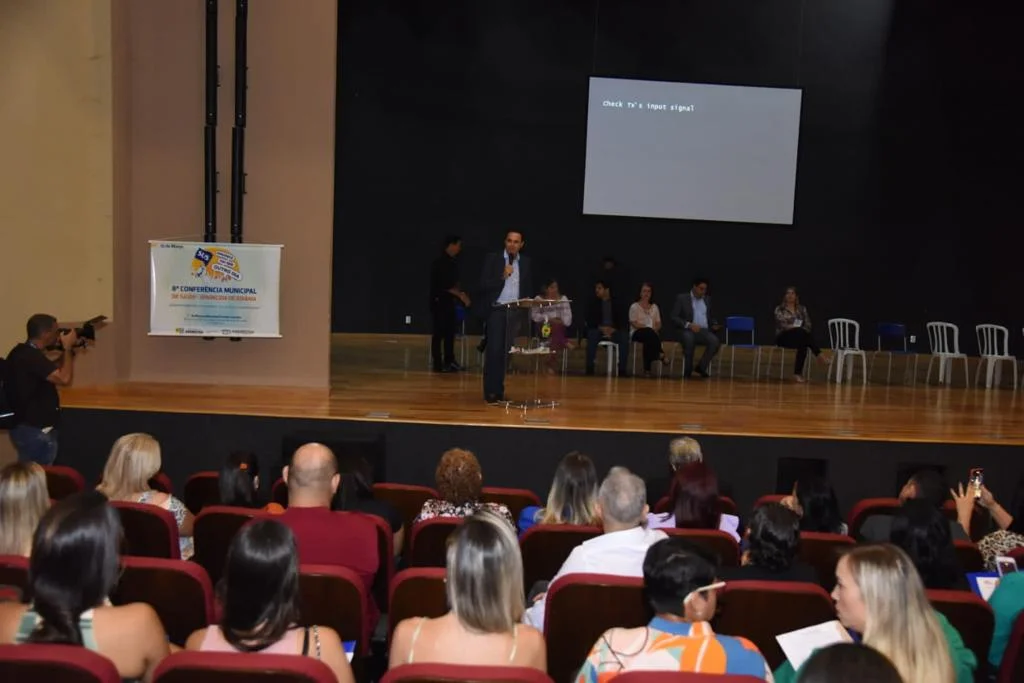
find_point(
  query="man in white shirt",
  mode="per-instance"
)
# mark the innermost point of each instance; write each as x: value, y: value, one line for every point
x: 620, y: 551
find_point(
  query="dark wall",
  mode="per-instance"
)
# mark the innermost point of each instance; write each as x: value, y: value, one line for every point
x: 470, y: 117
x: 526, y: 457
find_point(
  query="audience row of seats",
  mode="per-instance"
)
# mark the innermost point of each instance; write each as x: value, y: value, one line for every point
x: 580, y: 606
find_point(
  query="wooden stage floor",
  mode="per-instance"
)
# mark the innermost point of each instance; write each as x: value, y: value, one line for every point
x: 385, y: 378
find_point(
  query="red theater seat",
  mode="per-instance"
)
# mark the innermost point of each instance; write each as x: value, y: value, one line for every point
x: 201, y: 490
x: 335, y: 596
x: 162, y: 483
x: 451, y: 673
x: 180, y: 592
x: 1012, y: 668
x: 213, y: 530
x: 719, y: 543
x: 62, y: 481
x: 514, y: 499
x: 769, y: 498
x: 971, y: 616
x: 428, y: 543
x: 680, y: 677
x: 419, y: 592
x: 14, y: 571
x: 55, y: 664
x: 545, y: 547
x: 867, y: 507
x: 221, y: 667
x: 149, y: 531
x: 407, y: 498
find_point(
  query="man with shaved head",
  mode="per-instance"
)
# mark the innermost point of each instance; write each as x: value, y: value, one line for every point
x: 345, y: 539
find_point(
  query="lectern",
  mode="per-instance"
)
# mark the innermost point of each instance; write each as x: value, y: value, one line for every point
x: 537, y: 347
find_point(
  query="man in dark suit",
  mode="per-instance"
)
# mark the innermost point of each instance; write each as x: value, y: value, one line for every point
x: 692, y: 315
x: 444, y: 295
x: 606, y: 322
x: 506, y: 277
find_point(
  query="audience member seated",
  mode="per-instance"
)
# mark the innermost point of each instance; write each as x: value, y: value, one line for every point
x: 925, y: 485
x: 356, y: 495
x: 879, y: 596
x: 1007, y: 603
x: 620, y: 550
x: 922, y: 532
x: 259, y: 597
x: 239, y: 483
x: 695, y: 503
x: 681, y: 451
x: 133, y: 461
x: 23, y: 502
x: 557, y: 318
x: 459, y: 480
x: 848, y: 663
x: 485, y: 594
x: 324, y: 536
x: 773, y: 538
x: 645, y: 325
x: 1010, y: 534
x: 605, y: 323
x: 572, y: 498
x: 814, y: 500
x: 73, y: 568
x: 680, y: 586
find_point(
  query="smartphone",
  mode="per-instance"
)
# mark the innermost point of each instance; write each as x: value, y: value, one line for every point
x: 977, y: 479
x: 1005, y: 565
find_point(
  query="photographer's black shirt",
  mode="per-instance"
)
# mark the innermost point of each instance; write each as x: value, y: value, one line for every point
x: 33, y: 398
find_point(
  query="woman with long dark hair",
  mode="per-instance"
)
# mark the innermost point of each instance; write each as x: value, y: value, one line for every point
x: 260, y: 598
x: 73, y: 569
x: 239, y: 483
x: 814, y: 500
x: 355, y: 494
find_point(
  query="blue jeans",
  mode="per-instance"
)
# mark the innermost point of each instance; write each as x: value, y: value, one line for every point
x: 34, y: 445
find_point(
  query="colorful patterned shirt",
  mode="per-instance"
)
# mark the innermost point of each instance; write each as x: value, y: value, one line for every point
x: 665, y: 645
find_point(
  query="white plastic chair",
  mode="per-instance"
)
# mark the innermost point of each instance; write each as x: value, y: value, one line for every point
x: 613, y: 354
x: 994, y: 347
x: 944, y: 342
x: 637, y: 350
x: 844, y: 338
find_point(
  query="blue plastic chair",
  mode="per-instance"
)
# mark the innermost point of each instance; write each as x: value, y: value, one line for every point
x: 740, y: 324
x: 894, y: 332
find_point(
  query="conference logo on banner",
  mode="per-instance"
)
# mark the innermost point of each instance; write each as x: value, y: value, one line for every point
x: 203, y: 289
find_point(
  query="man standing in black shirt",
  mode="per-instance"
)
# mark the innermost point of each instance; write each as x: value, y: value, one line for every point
x: 444, y: 293
x: 32, y: 381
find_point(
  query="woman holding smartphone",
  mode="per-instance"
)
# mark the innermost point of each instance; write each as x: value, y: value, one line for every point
x: 793, y: 331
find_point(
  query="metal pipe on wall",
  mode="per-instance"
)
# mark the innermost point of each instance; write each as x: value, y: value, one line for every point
x: 210, y: 127
x: 238, y: 130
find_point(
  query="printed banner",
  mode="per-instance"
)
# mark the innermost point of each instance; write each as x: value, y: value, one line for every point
x: 207, y: 289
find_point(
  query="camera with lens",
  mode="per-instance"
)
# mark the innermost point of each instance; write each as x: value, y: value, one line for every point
x: 86, y: 333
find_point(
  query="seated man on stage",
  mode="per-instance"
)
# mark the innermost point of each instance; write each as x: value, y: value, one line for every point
x: 692, y: 315
x: 605, y: 323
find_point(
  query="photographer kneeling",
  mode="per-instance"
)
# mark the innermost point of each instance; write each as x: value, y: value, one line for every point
x: 31, y: 385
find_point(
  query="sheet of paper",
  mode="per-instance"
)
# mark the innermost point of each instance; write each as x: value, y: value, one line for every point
x: 799, y: 645
x: 986, y: 586
x: 350, y: 648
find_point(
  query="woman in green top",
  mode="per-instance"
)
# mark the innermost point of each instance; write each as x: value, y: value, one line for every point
x: 879, y: 595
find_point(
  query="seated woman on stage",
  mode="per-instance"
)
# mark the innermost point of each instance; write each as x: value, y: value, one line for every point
x: 695, y: 503
x: 557, y: 318
x: 572, y: 498
x: 133, y: 461
x: 485, y: 593
x: 645, y: 324
x: 459, y: 480
x: 793, y: 330
x: 239, y: 483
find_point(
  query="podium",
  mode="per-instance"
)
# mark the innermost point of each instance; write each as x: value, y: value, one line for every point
x: 537, y: 347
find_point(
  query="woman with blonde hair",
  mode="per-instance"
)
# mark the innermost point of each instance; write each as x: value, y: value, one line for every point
x: 485, y: 591
x: 879, y: 595
x: 572, y: 498
x: 23, y: 502
x: 460, y: 480
x: 133, y: 461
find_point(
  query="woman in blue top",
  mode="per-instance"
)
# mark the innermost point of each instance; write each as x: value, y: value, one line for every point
x: 572, y: 498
